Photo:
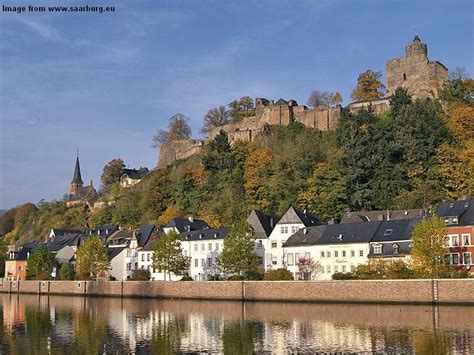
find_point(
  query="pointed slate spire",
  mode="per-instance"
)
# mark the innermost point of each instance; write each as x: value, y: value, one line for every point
x: 77, y: 173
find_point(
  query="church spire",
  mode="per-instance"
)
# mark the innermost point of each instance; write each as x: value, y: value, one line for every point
x: 76, y: 182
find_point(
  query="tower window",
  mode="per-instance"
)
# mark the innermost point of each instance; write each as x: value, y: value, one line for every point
x: 404, y: 76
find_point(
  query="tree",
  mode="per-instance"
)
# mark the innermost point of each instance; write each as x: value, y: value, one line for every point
x: 40, y: 264
x: 168, y: 255
x: 241, y: 108
x: 66, y: 272
x: 320, y: 99
x: 91, y: 258
x: 400, y: 99
x: 141, y: 275
x: 112, y: 172
x: 178, y: 128
x: 215, y: 117
x: 257, y: 174
x: 369, y: 86
x: 238, y: 256
x: 171, y: 212
x: 429, y: 246
x: 336, y: 98
x: 308, y: 269
x: 458, y: 88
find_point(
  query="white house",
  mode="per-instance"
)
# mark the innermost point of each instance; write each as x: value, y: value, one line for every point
x: 292, y: 221
x: 335, y: 247
x: 122, y: 248
x: 131, y: 177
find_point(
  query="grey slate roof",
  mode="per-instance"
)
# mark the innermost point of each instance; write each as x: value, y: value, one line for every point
x: 58, y: 242
x: 150, y: 246
x: 462, y: 210
x: 205, y: 234
x: 349, y: 233
x: 395, y: 230
x: 306, y: 236
x: 184, y: 224
x: 389, y: 249
x: 60, y: 231
x: 119, y: 237
x: 76, y: 179
x: 144, y: 234
x: 292, y: 216
x: 22, y: 254
x: 262, y: 223
x: 370, y: 216
x: 113, y: 252
x: 135, y: 174
x: 84, y: 193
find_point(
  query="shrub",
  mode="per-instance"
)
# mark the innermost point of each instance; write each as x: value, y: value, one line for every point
x: 278, y: 274
x: 254, y: 275
x: 235, y: 278
x: 66, y: 272
x: 344, y: 276
x: 186, y: 278
x: 141, y: 275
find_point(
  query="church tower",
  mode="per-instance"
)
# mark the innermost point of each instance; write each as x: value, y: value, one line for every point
x: 76, y: 182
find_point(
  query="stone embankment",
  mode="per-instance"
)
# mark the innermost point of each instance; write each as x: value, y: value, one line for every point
x: 460, y: 291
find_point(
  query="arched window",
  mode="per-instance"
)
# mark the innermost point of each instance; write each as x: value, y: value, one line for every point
x: 404, y: 76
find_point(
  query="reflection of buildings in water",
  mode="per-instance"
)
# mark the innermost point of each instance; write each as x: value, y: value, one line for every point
x: 204, y: 332
x: 14, y: 313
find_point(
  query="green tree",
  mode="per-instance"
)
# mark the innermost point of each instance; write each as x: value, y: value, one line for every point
x: 369, y: 86
x: 91, y: 258
x: 168, y: 256
x: 66, y: 272
x: 429, y: 246
x: 112, y: 172
x: 241, y: 108
x: 40, y: 264
x: 238, y: 256
x: 399, y: 100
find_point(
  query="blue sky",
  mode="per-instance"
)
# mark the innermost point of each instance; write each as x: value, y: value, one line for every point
x: 104, y: 83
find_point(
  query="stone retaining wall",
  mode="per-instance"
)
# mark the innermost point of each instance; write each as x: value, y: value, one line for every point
x: 459, y: 291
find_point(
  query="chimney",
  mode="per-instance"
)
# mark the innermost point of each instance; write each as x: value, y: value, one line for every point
x: 305, y: 231
x: 332, y: 221
x: 271, y: 222
x: 388, y: 215
x: 191, y: 219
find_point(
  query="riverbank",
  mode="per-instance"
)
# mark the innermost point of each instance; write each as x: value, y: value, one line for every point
x: 442, y: 291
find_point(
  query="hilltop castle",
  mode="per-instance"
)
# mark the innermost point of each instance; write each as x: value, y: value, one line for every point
x: 414, y: 71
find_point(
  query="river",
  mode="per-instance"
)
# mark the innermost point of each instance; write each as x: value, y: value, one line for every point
x: 78, y: 325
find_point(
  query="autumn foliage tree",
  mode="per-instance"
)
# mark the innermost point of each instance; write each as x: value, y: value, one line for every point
x: 369, y: 86
x: 112, y: 172
x: 214, y: 118
x: 178, y: 129
x: 91, y: 258
x: 258, y: 171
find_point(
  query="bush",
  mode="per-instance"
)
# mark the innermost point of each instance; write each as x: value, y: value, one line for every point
x: 186, y: 278
x: 66, y: 272
x: 141, y: 275
x: 235, y: 278
x: 344, y: 276
x: 254, y: 275
x: 277, y: 275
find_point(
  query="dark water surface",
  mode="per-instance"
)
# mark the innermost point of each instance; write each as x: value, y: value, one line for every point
x: 76, y: 325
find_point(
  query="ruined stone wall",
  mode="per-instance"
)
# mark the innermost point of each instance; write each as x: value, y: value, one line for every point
x: 378, y: 106
x: 322, y: 119
x: 245, y: 130
x: 175, y: 150
x: 414, y: 71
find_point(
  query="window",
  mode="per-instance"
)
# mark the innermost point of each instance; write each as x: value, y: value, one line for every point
x: 284, y: 229
x: 454, y: 240
x: 361, y: 253
x: 336, y: 254
x: 297, y: 258
x: 388, y: 232
x: 322, y: 254
x: 404, y: 76
x: 274, y: 244
x: 377, y: 249
x: 353, y: 253
x: 336, y: 268
x: 455, y: 220
x: 203, y: 262
x: 128, y: 252
x: 209, y: 262
x: 129, y: 266
x: 307, y: 255
x: 466, y: 258
x: 185, y: 252
x: 217, y: 246
x: 328, y: 269
x: 20, y: 267
x: 352, y: 268
x: 148, y: 256
x: 454, y: 258
x: 329, y: 254
x: 466, y: 239
x: 294, y: 229
x: 203, y: 247
x: 344, y: 268
x: 290, y: 259
x: 196, y: 262
x: 143, y: 257
x: 209, y: 246
x: 395, y: 249
x: 196, y: 247
x: 343, y: 253
x: 274, y: 260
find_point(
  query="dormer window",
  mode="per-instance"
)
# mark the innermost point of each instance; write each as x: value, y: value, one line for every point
x: 396, y: 247
x: 377, y: 249
x: 404, y: 76
x: 388, y: 232
x: 455, y: 220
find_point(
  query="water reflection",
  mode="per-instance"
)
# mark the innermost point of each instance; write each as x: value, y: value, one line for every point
x: 58, y: 325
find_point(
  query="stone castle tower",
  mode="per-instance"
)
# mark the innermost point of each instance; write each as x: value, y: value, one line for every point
x: 76, y: 183
x: 415, y: 72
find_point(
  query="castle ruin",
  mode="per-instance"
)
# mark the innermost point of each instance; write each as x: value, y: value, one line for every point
x: 415, y: 72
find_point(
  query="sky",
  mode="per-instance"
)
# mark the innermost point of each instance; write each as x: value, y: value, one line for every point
x: 104, y: 83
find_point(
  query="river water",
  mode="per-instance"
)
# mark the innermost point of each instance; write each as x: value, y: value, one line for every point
x: 75, y: 325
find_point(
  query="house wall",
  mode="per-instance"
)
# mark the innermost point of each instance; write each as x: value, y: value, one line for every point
x: 204, y: 258
x: 15, y: 269
x: 275, y: 255
x: 456, y: 233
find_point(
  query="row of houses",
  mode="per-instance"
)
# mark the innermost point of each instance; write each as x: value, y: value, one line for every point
x: 282, y: 242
